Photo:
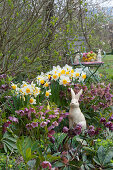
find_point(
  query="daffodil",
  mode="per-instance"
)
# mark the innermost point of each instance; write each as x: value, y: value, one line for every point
x: 27, y: 90
x: 55, y: 77
x: 23, y: 84
x: 32, y: 100
x: 77, y: 74
x: 36, y: 91
x: 83, y: 76
x: 64, y: 80
x: 46, y: 84
x: 49, y: 76
x: 63, y: 71
x: 32, y: 84
x: 56, y: 69
x: 48, y: 93
x: 41, y: 79
x: 14, y: 86
x: 72, y: 71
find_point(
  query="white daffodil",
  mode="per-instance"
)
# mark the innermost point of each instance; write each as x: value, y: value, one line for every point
x: 83, y: 75
x: 40, y: 80
x: 24, y: 84
x: 33, y: 85
x: 63, y: 72
x: 27, y: 90
x: 48, y: 75
x: 56, y: 69
x: 67, y: 68
x: 14, y: 86
x: 64, y: 80
x: 36, y: 91
x: 76, y: 74
x: 54, y: 76
x: 48, y: 93
x: 32, y: 100
x: 46, y: 84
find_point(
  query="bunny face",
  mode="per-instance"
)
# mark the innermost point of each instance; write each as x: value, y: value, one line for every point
x: 74, y: 103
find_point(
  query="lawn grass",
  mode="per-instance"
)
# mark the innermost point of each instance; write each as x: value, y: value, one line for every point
x: 107, y: 68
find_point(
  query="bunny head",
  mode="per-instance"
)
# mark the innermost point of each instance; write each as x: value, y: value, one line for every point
x: 75, y: 97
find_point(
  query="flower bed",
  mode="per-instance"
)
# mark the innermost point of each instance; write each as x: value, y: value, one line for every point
x: 34, y: 124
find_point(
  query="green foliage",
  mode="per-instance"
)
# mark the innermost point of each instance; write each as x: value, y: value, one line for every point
x: 9, y: 142
x: 104, y: 157
x: 59, y: 137
x: 107, y: 144
x: 26, y: 148
x: 10, y: 162
x: 17, y: 102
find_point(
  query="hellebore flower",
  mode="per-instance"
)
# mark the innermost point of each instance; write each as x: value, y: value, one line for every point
x: 26, y: 110
x: 60, y: 119
x: 43, y: 124
x: 100, y: 92
x: 55, y: 123
x: 91, y: 131
x: 50, y: 127
x: 29, y: 126
x: 65, y: 129
x: 97, y: 131
x: 111, y: 128
x: 111, y: 118
x: 34, y: 124
x: 108, y: 124
x: 13, y: 119
x: 50, y: 133
x: 102, y: 120
x: 20, y: 112
x: 46, y: 164
x: 78, y: 129
x: 5, y: 125
x: 108, y: 96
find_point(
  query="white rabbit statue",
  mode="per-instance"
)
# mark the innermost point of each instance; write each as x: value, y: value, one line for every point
x: 75, y: 114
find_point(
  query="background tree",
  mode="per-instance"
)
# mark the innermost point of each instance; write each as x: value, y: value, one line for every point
x: 35, y: 35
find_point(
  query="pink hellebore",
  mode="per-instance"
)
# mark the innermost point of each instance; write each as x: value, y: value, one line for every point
x: 43, y: 124
x: 32, y: 110
x: 50, y: 133
x: 34, y: 124
x: 46, y: 164
x: 60, y: 119
x: 13, y: 119
x: 55, y: 123
x: 50, y: 127
x: 5, y: 125
x: 29, y: 126
x: 65, y: 129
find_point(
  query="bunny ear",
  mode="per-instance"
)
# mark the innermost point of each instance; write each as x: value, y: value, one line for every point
x: 79, y: 94
x: 72, y: 94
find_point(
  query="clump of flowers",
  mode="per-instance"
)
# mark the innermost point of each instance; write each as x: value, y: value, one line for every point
x: 49, y: 84
x: 95, y: 98
x: 108, y: 124
x: 90, y: 56
x: 73, y: 131
x: 41, y: 118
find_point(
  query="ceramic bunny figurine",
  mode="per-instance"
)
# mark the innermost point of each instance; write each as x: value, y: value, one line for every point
x: 75, y: 114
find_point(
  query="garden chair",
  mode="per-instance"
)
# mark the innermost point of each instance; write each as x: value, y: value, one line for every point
x: 89, y: 65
